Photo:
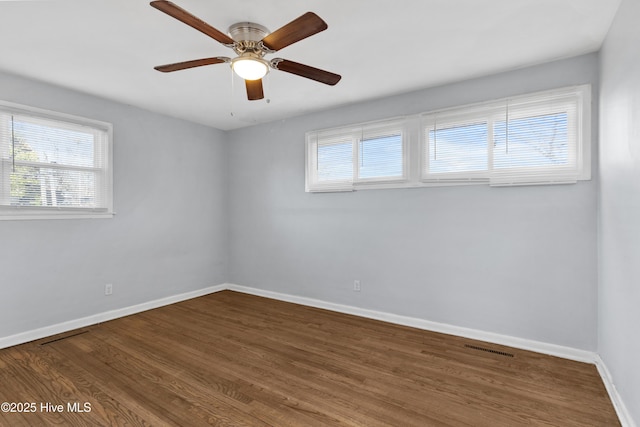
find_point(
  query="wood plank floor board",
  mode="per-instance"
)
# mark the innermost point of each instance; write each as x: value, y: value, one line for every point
x: 108, y: 399
x: 247, y: 345
x: 288, y: 378
x: 555, y: 376
x: 388, y: 350
x: 212, y: 377
x: 323, y: 390
x: 191, y: 360
x: 148, y: 380
x: 230, y: 359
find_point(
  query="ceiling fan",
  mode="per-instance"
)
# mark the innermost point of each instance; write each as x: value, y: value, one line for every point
x: 251, y: 42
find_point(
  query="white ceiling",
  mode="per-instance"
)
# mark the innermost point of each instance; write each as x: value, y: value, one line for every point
x: 380, y: 47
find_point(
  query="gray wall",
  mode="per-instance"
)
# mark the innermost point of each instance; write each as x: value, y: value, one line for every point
x: 517, y: 261
x: 619, y: 205
x: 169, y: 235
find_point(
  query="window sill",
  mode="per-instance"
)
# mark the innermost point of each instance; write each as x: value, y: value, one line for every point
x: 51, y: 215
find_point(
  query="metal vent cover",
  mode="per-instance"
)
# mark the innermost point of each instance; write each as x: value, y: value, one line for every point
x: 488, y: 350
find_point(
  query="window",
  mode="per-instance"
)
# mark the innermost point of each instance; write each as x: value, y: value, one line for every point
x: 373, y: 153
x: 541, y: 138
x: 533, y: 139
x: 455, y: 147
x: 53, y: 165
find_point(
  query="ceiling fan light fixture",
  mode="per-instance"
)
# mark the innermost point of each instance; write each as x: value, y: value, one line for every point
x: 250, y: 67
x: 251, y: 42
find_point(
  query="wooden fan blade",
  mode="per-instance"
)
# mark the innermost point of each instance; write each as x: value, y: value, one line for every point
x: 189, y: 64
x: 296, y: 30
x: 254, y: 89
x: 183, y: 16
x: 306, y: 71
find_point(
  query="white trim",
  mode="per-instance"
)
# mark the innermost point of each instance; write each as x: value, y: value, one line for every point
x: 414, y: 322
x: 29, y: 215
x: 575, y: 101
x: 13, y: 107
x: 70, y: 325
x: 354, y: 135
x: 103, y: 148
x: 521, y: 343
x: 623, y: 414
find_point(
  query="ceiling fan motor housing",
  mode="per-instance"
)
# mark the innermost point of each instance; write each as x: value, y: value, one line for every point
x: 247, y: 37
x: 247, y: 31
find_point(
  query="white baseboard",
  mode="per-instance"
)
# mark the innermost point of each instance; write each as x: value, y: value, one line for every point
x: 540, y: 347
x: 618, y: 403
x: 70, y: 325
x: 521, y: 343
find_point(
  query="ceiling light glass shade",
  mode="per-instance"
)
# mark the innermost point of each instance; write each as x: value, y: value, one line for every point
x: 250, y: 68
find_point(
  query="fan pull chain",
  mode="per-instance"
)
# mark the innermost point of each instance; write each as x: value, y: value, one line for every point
x: 268, y: 88
x: 233, y: 85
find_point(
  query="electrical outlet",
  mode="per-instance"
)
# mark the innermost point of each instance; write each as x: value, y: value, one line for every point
x: 356, y: 285
x: 108, y: 289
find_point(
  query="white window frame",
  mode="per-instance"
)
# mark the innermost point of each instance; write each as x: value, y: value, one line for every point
x: 575, y: 100
x: 354, y: 135
x: 415, y: 146
x: 104, y: 181
x: 450, y: 118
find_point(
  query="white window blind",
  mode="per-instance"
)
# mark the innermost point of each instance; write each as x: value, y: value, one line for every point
x: 456, y: 144
x: 532, y: 139
x: 53, y: 165
x: 330, y: 161
x: 342, y: 159
x: 540, y: 138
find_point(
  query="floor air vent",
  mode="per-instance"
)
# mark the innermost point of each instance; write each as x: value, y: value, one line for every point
x: 63, y: 338
x: 488, y: 350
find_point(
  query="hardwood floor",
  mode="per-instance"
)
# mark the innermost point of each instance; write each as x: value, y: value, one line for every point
x: 231, y: 359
